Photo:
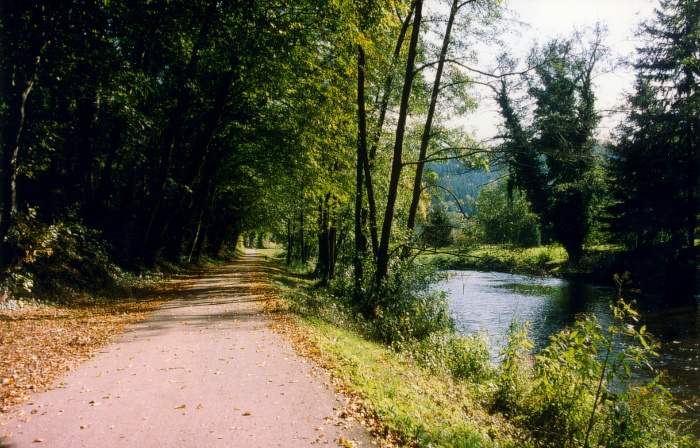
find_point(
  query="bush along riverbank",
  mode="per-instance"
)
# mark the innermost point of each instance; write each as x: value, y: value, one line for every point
x: 422, y: 384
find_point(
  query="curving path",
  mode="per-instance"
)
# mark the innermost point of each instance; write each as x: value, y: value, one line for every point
x: 203, y: 371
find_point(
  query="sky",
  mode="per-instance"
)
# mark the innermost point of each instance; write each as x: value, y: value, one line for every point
x: 536, y: 21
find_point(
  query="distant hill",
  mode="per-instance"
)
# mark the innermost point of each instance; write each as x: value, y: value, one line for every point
x: 465, y: 183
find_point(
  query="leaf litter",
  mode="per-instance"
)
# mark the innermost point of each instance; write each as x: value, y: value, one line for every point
x: 41, y: 342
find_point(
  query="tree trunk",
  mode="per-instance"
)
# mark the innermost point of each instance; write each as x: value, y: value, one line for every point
x: 360, y: 243
x: 388, y: 83
x: 16, y: 92
x: 302, y: 244
x: 290, y: 242
x: 396, y: 165
x: 427, y: 129
x: 332, y: 251
x: 367, y: 158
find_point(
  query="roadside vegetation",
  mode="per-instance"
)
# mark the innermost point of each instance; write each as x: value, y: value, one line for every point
x: 441, y: 389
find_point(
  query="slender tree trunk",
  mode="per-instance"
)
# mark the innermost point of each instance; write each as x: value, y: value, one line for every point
x: 302, y: 244
x: 427, y: 129
x: 397, y: 164
x: 388, y: 84
x: 290, y: 242
x: 360, y: 243
x: 332, y: 250
x: 323, y: 264
x: 16, y: 92
x: 368, y: 158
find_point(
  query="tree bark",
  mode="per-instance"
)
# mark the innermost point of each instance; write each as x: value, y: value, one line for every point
x: 302, y: 245
x: 397, y: 164
x: 368, y: 158
x: 388, y: 83
x: 290, y: 242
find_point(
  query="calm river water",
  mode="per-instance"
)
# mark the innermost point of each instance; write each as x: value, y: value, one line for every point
x: 487, y: 302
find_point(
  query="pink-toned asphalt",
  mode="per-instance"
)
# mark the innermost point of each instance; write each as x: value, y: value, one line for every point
x: 203, y: 371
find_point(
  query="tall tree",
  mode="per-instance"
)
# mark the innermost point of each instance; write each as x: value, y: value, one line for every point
x: 654, y: 167
x: 552, y: 158
x: 24, y: 32
x: 397, y: 164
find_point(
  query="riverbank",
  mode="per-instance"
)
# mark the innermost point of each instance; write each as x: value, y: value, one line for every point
x: 405, y: 403
x: 598, y: 264
x: 444, y: 392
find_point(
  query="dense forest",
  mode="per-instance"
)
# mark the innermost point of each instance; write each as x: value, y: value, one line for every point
x: 325, y: 125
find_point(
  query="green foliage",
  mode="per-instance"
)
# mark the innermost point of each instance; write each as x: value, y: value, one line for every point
x: 512, y: 380
x: 437, y: 232
x: 465, y: 358
x: 653, y: 168
x: 505, y: 220
x: 581, y: 390
x: 551, y: 159
x: 487, y: 257
x: 58, y: 260
x: 407, y: 307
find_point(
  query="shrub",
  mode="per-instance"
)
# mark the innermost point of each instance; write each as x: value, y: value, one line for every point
x: 504, y: 219
x: 513, y: 380
x: 407, y: 307
x: 438, y: 230
x: 464, y: 357
x: 51, y: 260
x: 584, y: 392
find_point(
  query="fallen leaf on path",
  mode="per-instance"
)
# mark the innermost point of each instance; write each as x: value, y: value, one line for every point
x: 63, y: 335
x: 345, y: 443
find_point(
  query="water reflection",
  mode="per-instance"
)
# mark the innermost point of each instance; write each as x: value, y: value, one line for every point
x: 487, y: 302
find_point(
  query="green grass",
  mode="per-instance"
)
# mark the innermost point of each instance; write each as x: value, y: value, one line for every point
x: 541, y: 260
x: 598, y: 264
x: 415, y: 402
x: 420, y: 406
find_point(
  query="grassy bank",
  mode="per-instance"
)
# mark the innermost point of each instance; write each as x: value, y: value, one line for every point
x: 444, y: 392
x: 598, y: 264
x: 406, y: 404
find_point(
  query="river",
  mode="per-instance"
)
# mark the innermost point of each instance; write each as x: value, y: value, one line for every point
x: 487, y: 302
